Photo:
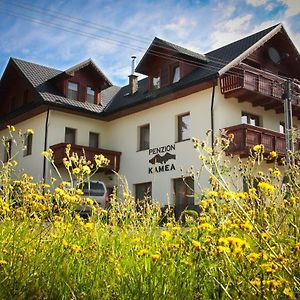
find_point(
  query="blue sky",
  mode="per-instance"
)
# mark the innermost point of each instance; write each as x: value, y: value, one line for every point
x: 62, y: 33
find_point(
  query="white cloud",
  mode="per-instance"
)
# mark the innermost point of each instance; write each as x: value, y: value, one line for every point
x: 181, y: 26
x: 256, y: 3
x: 238, y: 23
x: 292, y: 7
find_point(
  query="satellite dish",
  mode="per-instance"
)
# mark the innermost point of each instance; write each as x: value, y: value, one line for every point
x: 274, y: 56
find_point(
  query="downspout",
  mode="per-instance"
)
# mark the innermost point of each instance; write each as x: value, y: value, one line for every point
x: 45, y: 142
x: 212, y: 123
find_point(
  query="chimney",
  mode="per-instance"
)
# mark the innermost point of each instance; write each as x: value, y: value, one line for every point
x: 133, y: 79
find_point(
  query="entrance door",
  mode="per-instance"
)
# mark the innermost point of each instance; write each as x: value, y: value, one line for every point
x: 184, y: 195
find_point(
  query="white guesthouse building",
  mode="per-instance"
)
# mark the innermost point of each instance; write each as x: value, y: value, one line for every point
x: 145, y: 128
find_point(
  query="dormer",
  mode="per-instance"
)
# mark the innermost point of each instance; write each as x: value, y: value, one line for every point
x: 83, y: 82
x: 165, y: 63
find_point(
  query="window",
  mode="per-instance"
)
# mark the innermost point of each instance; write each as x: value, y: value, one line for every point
x: 70, y: 135
x: 144, y: 136
x: 28, y: 144
x: 183, y: 127
x: 94, y: 140
x: 156, y: 82
x: 184, y: 194
x: 72, y: 90
x: 143, y: 190
x: 7, y: 150
x: 143, y: 194
x: 282, y: 127
x: 90, y: 95
x: 175, y: 74
x: 250, y: 119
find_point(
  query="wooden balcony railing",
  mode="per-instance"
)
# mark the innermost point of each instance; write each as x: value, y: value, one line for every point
x: 246, y: 136
x: 59, y: 151
x: 253, y: 85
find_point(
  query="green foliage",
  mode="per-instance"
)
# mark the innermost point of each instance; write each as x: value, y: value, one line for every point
x: 243, y: 245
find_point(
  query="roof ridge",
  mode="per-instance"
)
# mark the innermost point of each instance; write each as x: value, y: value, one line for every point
x: 33, y: 63
x: 245, y: 37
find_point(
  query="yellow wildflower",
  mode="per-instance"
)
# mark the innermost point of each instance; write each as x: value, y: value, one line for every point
x: 75, y: 248
x: 247, y: 226
x: 165, y: 234
x: 142, y: 252
x: 212, y: 194
x: 76, y: 171
x: 256, y: 282
x: 267, y: 187
x: 29, y: 131
x: 252, y: 257
x: 206, y: 227
x: 196, y: 245
x: 273, y: 154
x: 270, y: 267
x: 222, y: 249
x: 155, y: 257
x: 257, y: 148
x: 86, y: 169
x: 288, y: 292
x: 297, y: 247
x: 11, y: 128
x: 277, y: 173
x: 89, y: 226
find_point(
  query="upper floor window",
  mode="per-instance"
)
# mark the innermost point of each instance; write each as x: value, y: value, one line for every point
x: 183, y: 127
x: 175, y: 74
x: 90, y: 95
x: 7, y: 150
x: 72, y: 90
x: 250, y: 119
x: 70, y: 135
x: 144, y: 136
x: 281, y: 127
x: 156, y: 82
x: 28, y: 144
x: 94, y: 140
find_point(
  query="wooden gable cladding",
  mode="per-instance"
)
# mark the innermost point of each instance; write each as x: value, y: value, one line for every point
x: 259, y: 78
x: 15, y: 91
x: 289, y: 57
x: 85, y: 77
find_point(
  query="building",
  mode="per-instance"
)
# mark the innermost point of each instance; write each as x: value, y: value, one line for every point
x: 145, y: 128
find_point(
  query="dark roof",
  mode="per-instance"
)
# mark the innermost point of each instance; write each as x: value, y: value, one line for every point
x: 217, y: 59
x: 115, y: 99
x: 41, y: 77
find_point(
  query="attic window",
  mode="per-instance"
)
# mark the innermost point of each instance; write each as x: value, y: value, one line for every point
x: 90, y: 95
x: 156, y: 82
x: 175, y: 74
x: 72, y: 90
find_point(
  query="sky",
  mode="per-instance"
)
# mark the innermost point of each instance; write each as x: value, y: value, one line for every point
x: 63, y: 33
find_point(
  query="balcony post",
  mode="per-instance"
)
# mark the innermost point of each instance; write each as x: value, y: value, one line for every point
x: 288, y: 119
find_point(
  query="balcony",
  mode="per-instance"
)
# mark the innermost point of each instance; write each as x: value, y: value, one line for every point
x: 246, y: 136
x: 59, y: 151
x: 256, y: 86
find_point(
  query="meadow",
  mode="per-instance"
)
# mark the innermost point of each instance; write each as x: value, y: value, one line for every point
x: 245, y: 244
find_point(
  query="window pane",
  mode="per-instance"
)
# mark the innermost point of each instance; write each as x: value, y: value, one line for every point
x: 94, y: 140
x: 72, y: 90
x: 184, y: 191
x: 70, y: 135
x: 156, y: 82
x: 93, y: 189
x: 176, y: 74
x: 143, y: 190
x: 90, y: 97
x: 144, y: 137
x: 250, y: 119
x: 28, y: 145
x: 184, y: 127
x: 281, y: 127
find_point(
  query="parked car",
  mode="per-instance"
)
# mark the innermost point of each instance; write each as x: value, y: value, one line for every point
x: 97, y: 191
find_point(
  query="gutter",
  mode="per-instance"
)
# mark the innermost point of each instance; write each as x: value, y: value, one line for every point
x: 45, y: 142
x: 212, y: 123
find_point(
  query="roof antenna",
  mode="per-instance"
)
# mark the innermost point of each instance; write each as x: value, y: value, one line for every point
x: 132, y: 64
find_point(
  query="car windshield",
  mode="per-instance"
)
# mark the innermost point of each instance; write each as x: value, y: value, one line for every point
x: 93, y: 189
